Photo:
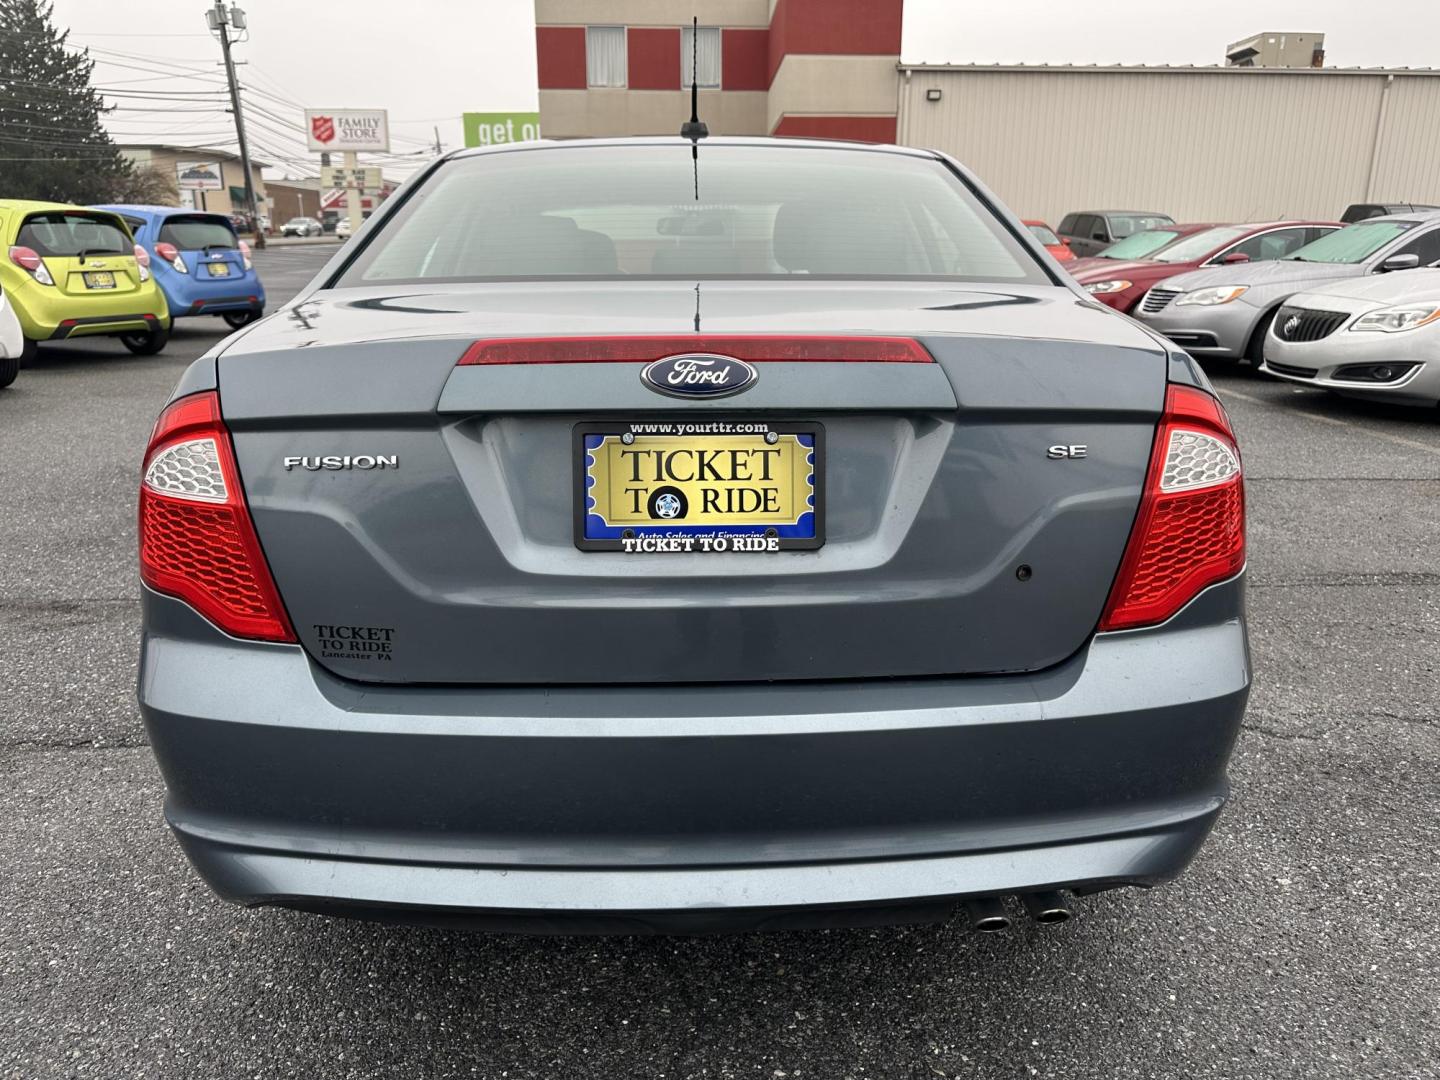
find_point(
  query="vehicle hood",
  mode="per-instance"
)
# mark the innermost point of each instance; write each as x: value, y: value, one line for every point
x: 1282, y: 272
x: 1382, y: 290
x: 1135, y: 269
x: 471, y: 311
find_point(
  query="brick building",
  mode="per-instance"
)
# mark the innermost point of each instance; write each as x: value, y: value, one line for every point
x: 822, y: 68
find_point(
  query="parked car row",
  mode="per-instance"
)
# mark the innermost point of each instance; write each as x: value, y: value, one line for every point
x: 121, y: 271
x: 1315, y: 302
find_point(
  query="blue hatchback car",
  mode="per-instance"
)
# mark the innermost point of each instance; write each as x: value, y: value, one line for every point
x: 203, y: 267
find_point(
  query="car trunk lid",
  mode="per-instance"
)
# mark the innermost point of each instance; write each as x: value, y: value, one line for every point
x: 420, y: 517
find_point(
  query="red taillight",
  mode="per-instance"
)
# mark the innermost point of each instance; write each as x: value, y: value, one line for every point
x: 197, y: 542
x: 171, y: 254
x: 28, y: 259
x: 142, y: 257
x: 25, y: 258
x: 1190, y: 531
x: 646, y: 349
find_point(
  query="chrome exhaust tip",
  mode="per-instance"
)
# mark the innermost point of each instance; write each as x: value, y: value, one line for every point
x: 1047, y: 907
x: 987, y: 914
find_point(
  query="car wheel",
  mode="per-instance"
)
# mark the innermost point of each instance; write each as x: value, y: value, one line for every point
x: 28, y: 352
x: 1255, y: 349
x: 9, y: 368
x: 148, y: 343
x: 237, y: 319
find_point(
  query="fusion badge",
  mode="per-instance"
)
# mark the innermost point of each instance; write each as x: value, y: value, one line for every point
x: 343, y: 461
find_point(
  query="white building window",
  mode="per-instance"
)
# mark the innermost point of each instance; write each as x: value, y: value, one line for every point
x: 707, y: 55
x: 605, y: 59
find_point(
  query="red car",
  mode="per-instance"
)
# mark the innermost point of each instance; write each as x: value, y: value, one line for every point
x: 1053, y: 244
x: 1121, y: 275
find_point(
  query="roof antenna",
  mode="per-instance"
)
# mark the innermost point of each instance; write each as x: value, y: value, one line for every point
x: 694, y: 129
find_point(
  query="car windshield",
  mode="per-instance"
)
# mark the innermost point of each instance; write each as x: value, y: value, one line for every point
x: 651, y: 211
x: 1140, y: 245
x: 1123, y: 225
x: 68, y: 233
x: 1196, y: 246
x: 1043, y: 234
x: 197, y: 233
x: 1352, y: 244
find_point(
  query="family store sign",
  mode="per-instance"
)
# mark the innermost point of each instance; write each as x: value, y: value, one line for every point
x: 347, y: 129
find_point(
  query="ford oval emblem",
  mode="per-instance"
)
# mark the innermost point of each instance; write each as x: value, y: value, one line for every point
x: 699, y: 375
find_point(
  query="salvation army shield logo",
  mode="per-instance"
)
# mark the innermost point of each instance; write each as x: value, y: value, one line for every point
x: 322, y: 128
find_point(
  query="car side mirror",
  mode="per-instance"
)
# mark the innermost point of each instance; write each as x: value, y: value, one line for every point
x: 1398, y: 262
x: 1064, y: 241
x: 1099, y: 236
x: 1233, y: 257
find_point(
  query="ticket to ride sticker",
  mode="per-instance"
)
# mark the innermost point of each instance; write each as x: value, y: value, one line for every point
x: 706, y: 487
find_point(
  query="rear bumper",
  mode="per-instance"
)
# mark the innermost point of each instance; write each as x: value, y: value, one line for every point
x: 676, y: 808
x: 190, y: 296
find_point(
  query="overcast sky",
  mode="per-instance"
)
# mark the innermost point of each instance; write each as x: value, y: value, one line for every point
x: 428, y: 61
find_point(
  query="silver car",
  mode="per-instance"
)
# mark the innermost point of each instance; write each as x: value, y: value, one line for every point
x: 1226, y: 311
x: 1376, y: 337
x: 576, y: 552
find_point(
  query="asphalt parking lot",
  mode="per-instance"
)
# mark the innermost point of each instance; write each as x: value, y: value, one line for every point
x: 1302, y: 943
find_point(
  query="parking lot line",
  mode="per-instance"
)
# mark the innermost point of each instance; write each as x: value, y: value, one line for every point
x: 1399, y: 440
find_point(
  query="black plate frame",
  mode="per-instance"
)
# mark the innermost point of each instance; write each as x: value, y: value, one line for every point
x: 617, y: 427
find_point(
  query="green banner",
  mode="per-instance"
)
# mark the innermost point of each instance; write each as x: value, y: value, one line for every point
x: 490, y: 128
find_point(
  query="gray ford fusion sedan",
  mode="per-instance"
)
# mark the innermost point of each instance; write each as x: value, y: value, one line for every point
x: 633, y: 535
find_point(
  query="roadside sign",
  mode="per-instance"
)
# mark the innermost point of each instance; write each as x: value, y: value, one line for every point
x: 490, y: 128
x: 364, y: 178
x: 198, y: 176
x: 347, y: 129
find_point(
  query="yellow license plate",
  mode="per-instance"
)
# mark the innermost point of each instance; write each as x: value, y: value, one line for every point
x: 99, y: 279
x: 219, y: 269
x: 699, y: 487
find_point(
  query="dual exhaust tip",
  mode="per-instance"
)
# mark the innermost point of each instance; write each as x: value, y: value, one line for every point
x: 987, y: 914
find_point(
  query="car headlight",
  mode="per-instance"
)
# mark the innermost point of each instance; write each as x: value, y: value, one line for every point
x: 1218, y: 294
x: 1392, y: 320
x: 1113, y: 285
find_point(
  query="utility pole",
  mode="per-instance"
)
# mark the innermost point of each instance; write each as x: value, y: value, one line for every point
x: 221, y: 20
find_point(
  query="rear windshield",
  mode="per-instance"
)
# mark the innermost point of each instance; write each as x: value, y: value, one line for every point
x: 1043, y: 234
x: 1139, y: 245
x: 653, y: 212
x: 1352, y: 244
x: 67, y: 233
x: 197, y: 233
x: 1198, y: 245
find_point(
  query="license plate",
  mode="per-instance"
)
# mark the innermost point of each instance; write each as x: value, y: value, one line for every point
x: 699, y: 487
x: 99, y: 279
x: 219, y: 269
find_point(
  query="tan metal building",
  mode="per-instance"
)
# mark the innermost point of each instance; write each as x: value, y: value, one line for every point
x: 1202, y: 144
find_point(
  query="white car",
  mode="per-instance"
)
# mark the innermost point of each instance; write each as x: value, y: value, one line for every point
x: 1373, y: 337
x: 342, y: 229
x: 12, y: 342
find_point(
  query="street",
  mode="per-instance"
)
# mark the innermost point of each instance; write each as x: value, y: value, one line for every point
x: 1301, y: 943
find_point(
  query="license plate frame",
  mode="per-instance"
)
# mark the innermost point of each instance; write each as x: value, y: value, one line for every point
x: 801, y: 535
x: 99, y: 279
x: 218, y: 269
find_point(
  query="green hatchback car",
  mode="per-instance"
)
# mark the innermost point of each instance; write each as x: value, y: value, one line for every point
x: 70, y: 271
